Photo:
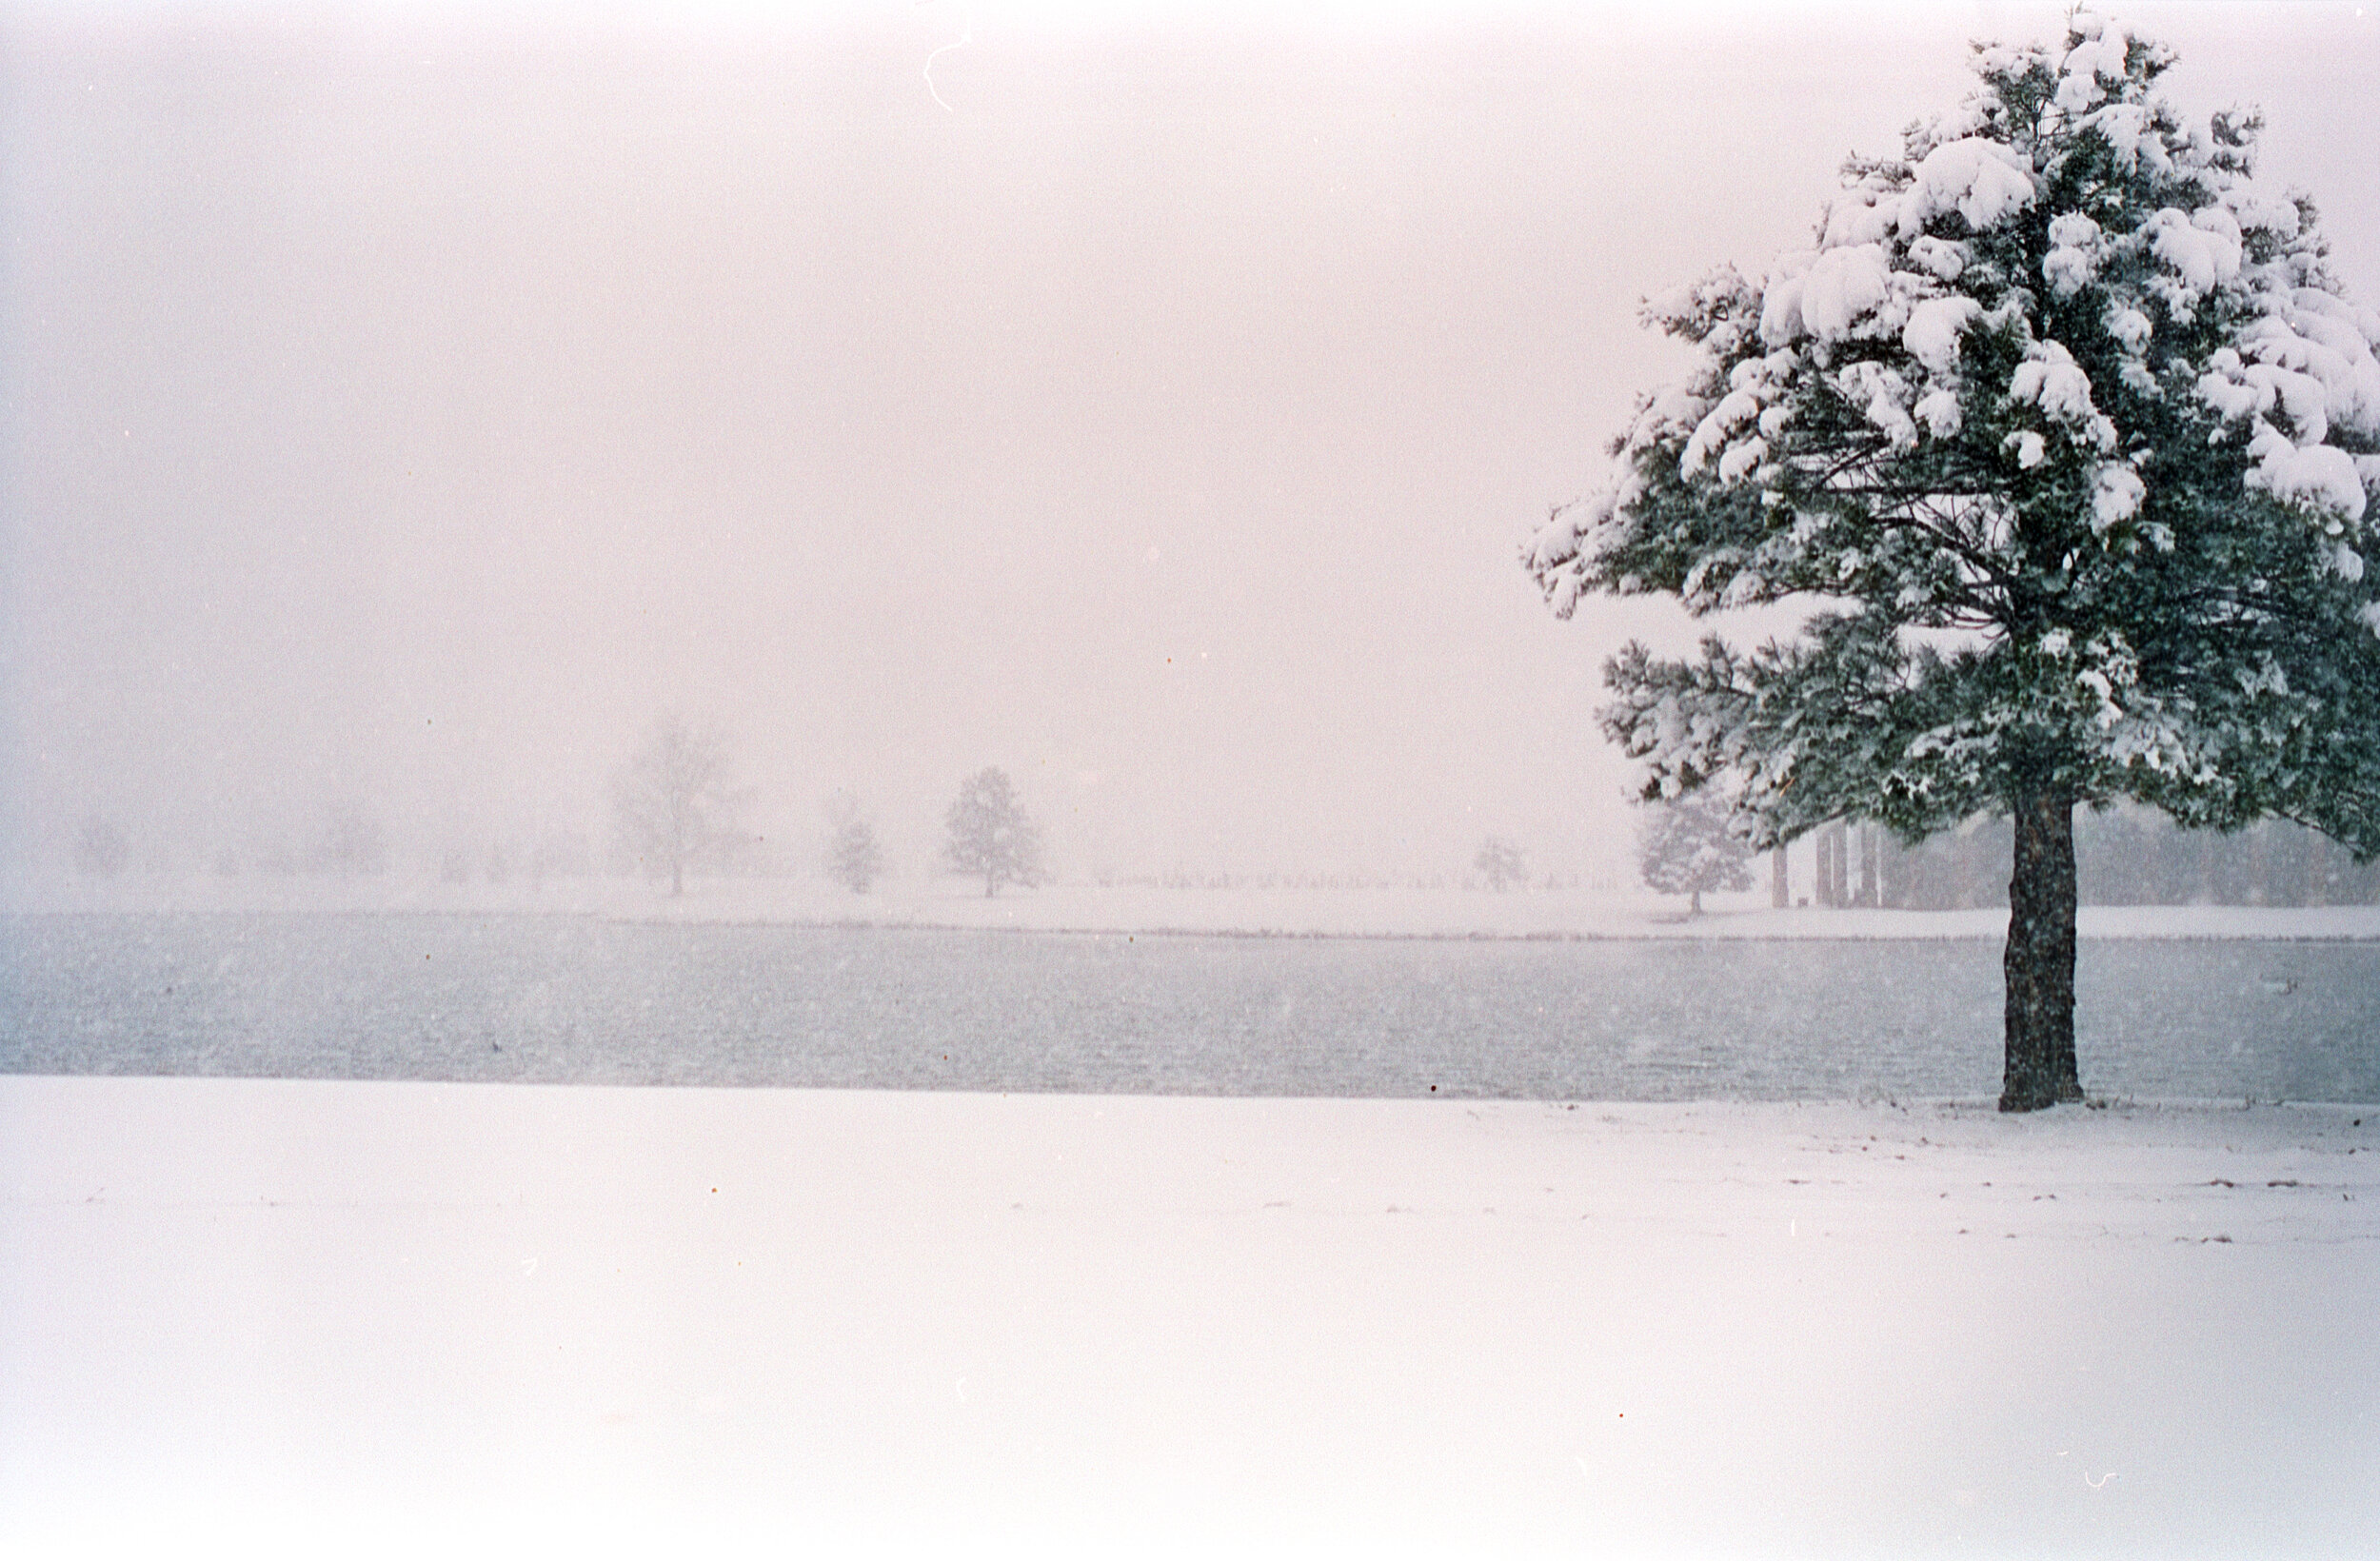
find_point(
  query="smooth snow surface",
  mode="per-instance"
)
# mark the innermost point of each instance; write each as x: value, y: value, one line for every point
x: 406, y: 1320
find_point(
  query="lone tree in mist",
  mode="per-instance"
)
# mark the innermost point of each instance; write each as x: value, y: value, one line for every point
x: 1502, y: 861
x: 350, y: 842
x: 1684, y: 846
x: 853, y: 858
x: 990, y: 834
x: 673, y: 803
x: 2068, y: 420
x: 100, y: 848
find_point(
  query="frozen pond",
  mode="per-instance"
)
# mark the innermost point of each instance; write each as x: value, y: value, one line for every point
x: 559, y: 999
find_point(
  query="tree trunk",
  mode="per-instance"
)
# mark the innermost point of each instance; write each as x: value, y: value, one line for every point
x: 1871, y: 889
x: 2039, y: 963
x: 1693, y: 907
x: 1780, y: 885
x: 677, y: 878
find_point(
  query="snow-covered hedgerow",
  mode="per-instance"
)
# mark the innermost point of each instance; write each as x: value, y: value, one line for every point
x: 2065, y: 379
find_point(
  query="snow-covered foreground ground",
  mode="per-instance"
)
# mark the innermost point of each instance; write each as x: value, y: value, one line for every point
x: 329, y: 1317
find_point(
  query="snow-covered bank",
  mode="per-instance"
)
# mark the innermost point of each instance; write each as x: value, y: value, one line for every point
x: 298, y: 1316
x: 1243, y: 909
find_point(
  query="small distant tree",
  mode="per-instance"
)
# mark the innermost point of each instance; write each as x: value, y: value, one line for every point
x: 351, y: 842
x: 100, y: 848
x: 990, y: 834
x: 1502, y: 863
x: 1684, y: 847
x: 853, y: 858
x: 560, y: 854
x: 674, y: 803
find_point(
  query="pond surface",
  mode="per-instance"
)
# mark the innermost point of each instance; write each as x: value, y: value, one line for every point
x: 561, y: 999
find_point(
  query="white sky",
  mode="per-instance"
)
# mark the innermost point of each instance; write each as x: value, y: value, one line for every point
x: 402, y: 406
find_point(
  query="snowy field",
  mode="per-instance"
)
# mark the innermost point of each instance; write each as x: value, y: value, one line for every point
x: 1243, y: 909
x: 312, y: 1318
x: 1810, y: 1296
x: 573, y: 999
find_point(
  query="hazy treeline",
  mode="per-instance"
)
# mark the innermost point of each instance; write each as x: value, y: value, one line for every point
x: 678, y: 809
x: 346, y: 842
x: 1182, y: 878
x: 2123, y: 856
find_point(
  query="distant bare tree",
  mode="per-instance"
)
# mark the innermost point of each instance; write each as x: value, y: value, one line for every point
x: 351, y: 842
x: 673, y: 803
x: 559, y: 853
x: 1502, y: 861
x: 853, y: 858
x: 100, y: 848
x: 991, y: 834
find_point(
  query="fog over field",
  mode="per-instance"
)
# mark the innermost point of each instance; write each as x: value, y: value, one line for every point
x: 529, y: 531
x: 406, y: 404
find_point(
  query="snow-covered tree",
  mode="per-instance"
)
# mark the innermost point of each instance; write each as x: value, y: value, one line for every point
x: 1685, y: 846
x: 1502, y: 861
x: 990, y: 834
x: 2063, y: 427
x: 674, y: 803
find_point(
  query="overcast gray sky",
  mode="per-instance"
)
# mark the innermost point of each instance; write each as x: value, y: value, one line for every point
x: 403, y: 406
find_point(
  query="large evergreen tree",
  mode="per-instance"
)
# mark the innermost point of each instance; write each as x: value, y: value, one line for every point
x: 2063, y: 429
